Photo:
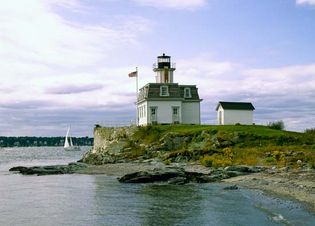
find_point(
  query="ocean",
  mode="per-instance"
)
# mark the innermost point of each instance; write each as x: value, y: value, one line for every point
x: 101, y: 200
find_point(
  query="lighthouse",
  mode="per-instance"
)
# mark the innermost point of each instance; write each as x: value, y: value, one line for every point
x: 166, y: 102
x: 164, y: 69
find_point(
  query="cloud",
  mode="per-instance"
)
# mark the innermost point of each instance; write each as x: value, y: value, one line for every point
x: 24, y: 105
x: 173, y: 4
x: 45, y: 53
x: 305, y: 2
x: 34, y: 33
x: 279, y: 93
x: 70, y: 89
x: 39, y: 48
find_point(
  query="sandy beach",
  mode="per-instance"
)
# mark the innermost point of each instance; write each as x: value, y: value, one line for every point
x: 294, y: 184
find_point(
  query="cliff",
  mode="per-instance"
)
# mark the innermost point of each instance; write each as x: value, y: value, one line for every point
x: 212, y: 146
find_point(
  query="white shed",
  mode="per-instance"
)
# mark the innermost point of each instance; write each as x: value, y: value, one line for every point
x: 231, y: 113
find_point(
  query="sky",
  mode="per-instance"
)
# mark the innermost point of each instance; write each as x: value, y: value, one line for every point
x: 66, y: 62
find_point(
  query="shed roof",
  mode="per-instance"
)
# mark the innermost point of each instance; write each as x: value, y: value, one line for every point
x: 235, y: 105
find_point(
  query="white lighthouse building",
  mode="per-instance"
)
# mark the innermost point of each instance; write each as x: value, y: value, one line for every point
x: 166, y: 102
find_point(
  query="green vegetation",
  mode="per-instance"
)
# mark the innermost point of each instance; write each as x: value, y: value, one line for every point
x: 310, y: 131
x: 219, y: 146
x: 279, y: 125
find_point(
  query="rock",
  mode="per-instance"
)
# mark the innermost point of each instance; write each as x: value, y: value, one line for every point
x: 170, y: 175
x: 178, y: 180
x: 49, y: 170
x: 151, y: 176
x: 18, y: 168
x: 232, y: 187
x: 245, y: 169
x: 172, y: 141
x: 263, y: 182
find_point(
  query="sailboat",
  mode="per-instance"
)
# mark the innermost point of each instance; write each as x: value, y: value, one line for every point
x: 68, y: 142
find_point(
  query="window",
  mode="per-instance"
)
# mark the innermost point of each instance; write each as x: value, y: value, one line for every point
x: 187, y: 92
x: 153, y: 112
x: 144, y: 112
x: 164, y: 91
x: 175, y: 111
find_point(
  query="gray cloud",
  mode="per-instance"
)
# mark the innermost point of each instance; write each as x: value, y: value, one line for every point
x: 70, y: 89
x: 24, y: 105
x: 53, y: 122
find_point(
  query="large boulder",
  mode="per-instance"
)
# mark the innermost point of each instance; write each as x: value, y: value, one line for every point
x: 151, y: 176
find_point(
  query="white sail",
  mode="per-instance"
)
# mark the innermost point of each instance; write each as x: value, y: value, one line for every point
x: 68, y: 142
x: 70, y: 139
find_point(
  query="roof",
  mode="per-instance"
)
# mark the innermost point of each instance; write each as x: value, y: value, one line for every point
x: 235, y: 105
x: 151, y: 91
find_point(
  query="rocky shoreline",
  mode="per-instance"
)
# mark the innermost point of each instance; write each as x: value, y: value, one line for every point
x: 297, y: 184
x: 144, y: 172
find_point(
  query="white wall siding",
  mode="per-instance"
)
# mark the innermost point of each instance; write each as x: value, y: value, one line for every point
x: 220, y: 116
x: 143, y: 113
x: 164, y: 111
x: 191, y: 113
x: 231, y: 117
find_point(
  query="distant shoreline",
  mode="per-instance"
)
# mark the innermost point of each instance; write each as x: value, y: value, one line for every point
x: 25, y: 141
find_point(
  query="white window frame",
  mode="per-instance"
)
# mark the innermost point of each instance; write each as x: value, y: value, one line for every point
x: 144, y: 110
x: 187, y: 92
x: 164, y: 91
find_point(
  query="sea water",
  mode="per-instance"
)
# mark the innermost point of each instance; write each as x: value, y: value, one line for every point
x: 101, y: 200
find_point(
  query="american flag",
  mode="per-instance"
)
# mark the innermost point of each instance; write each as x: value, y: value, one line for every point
x: 133, y: 74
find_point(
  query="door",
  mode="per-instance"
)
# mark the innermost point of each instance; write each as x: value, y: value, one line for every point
x: 175, y: 115
x: 220, y: 118
x: 153, y: 115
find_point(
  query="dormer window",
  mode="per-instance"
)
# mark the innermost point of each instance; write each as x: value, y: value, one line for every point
x: 164, y: 91
x: 187, y: 92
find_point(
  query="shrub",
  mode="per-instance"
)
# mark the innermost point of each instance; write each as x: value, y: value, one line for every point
x: 206, y: 161
x: 278, y: 125
x: 167, y: 162
x: 215, y: 161
x: 270, y: 160
x: 310, y: 131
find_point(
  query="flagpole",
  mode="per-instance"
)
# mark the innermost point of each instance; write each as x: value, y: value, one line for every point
x: 137, y: 117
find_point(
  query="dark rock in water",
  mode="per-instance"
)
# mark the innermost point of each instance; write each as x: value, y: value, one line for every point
x: 172, y: 176
x: 232, y: 187
x: 49, y: 170
x: 18, y: 168
x: 180, y: 176
x: 151, y: 176
x: 178, y: 180
x: 234, y: 173
x: 198, y: 177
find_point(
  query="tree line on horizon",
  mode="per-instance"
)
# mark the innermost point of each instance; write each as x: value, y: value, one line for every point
x: 42, y: 141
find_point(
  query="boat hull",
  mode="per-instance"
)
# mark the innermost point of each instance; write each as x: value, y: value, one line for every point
x: 72, y: 148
